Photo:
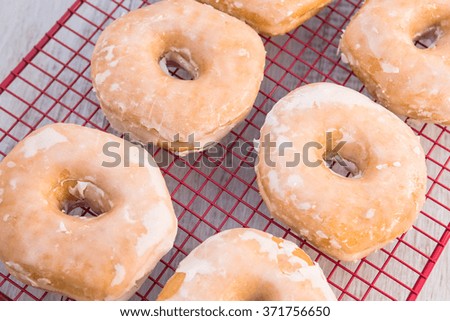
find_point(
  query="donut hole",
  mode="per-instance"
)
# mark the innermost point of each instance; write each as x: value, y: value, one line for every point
x: 179, y: 64
x: 79, y: 209
x: 82, y: 199
x: 350, y: 160
x: 349, y: 169
x: 429, y: 37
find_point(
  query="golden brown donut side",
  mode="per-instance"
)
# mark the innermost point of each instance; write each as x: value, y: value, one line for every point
x: 247, y: 264
x: 271, y: 17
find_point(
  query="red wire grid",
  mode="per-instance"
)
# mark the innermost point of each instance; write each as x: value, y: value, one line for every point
x: 52, y: 84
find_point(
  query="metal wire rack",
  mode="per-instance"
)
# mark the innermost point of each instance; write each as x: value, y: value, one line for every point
x: 210, y: 192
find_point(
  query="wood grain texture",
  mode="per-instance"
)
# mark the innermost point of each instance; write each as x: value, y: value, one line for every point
x: 24, y: 22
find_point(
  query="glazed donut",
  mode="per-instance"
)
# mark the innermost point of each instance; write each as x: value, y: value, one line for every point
x: 346, y: 218
x: 379, y: 46
x: 247, y: 264
x: 271, y: 17
x: 225, y: 57
x: 100, y: 258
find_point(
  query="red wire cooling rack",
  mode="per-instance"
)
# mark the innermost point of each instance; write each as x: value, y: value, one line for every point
x: 210, y: 192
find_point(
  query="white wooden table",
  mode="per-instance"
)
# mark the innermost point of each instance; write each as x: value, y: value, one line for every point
x: 24, y: 22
